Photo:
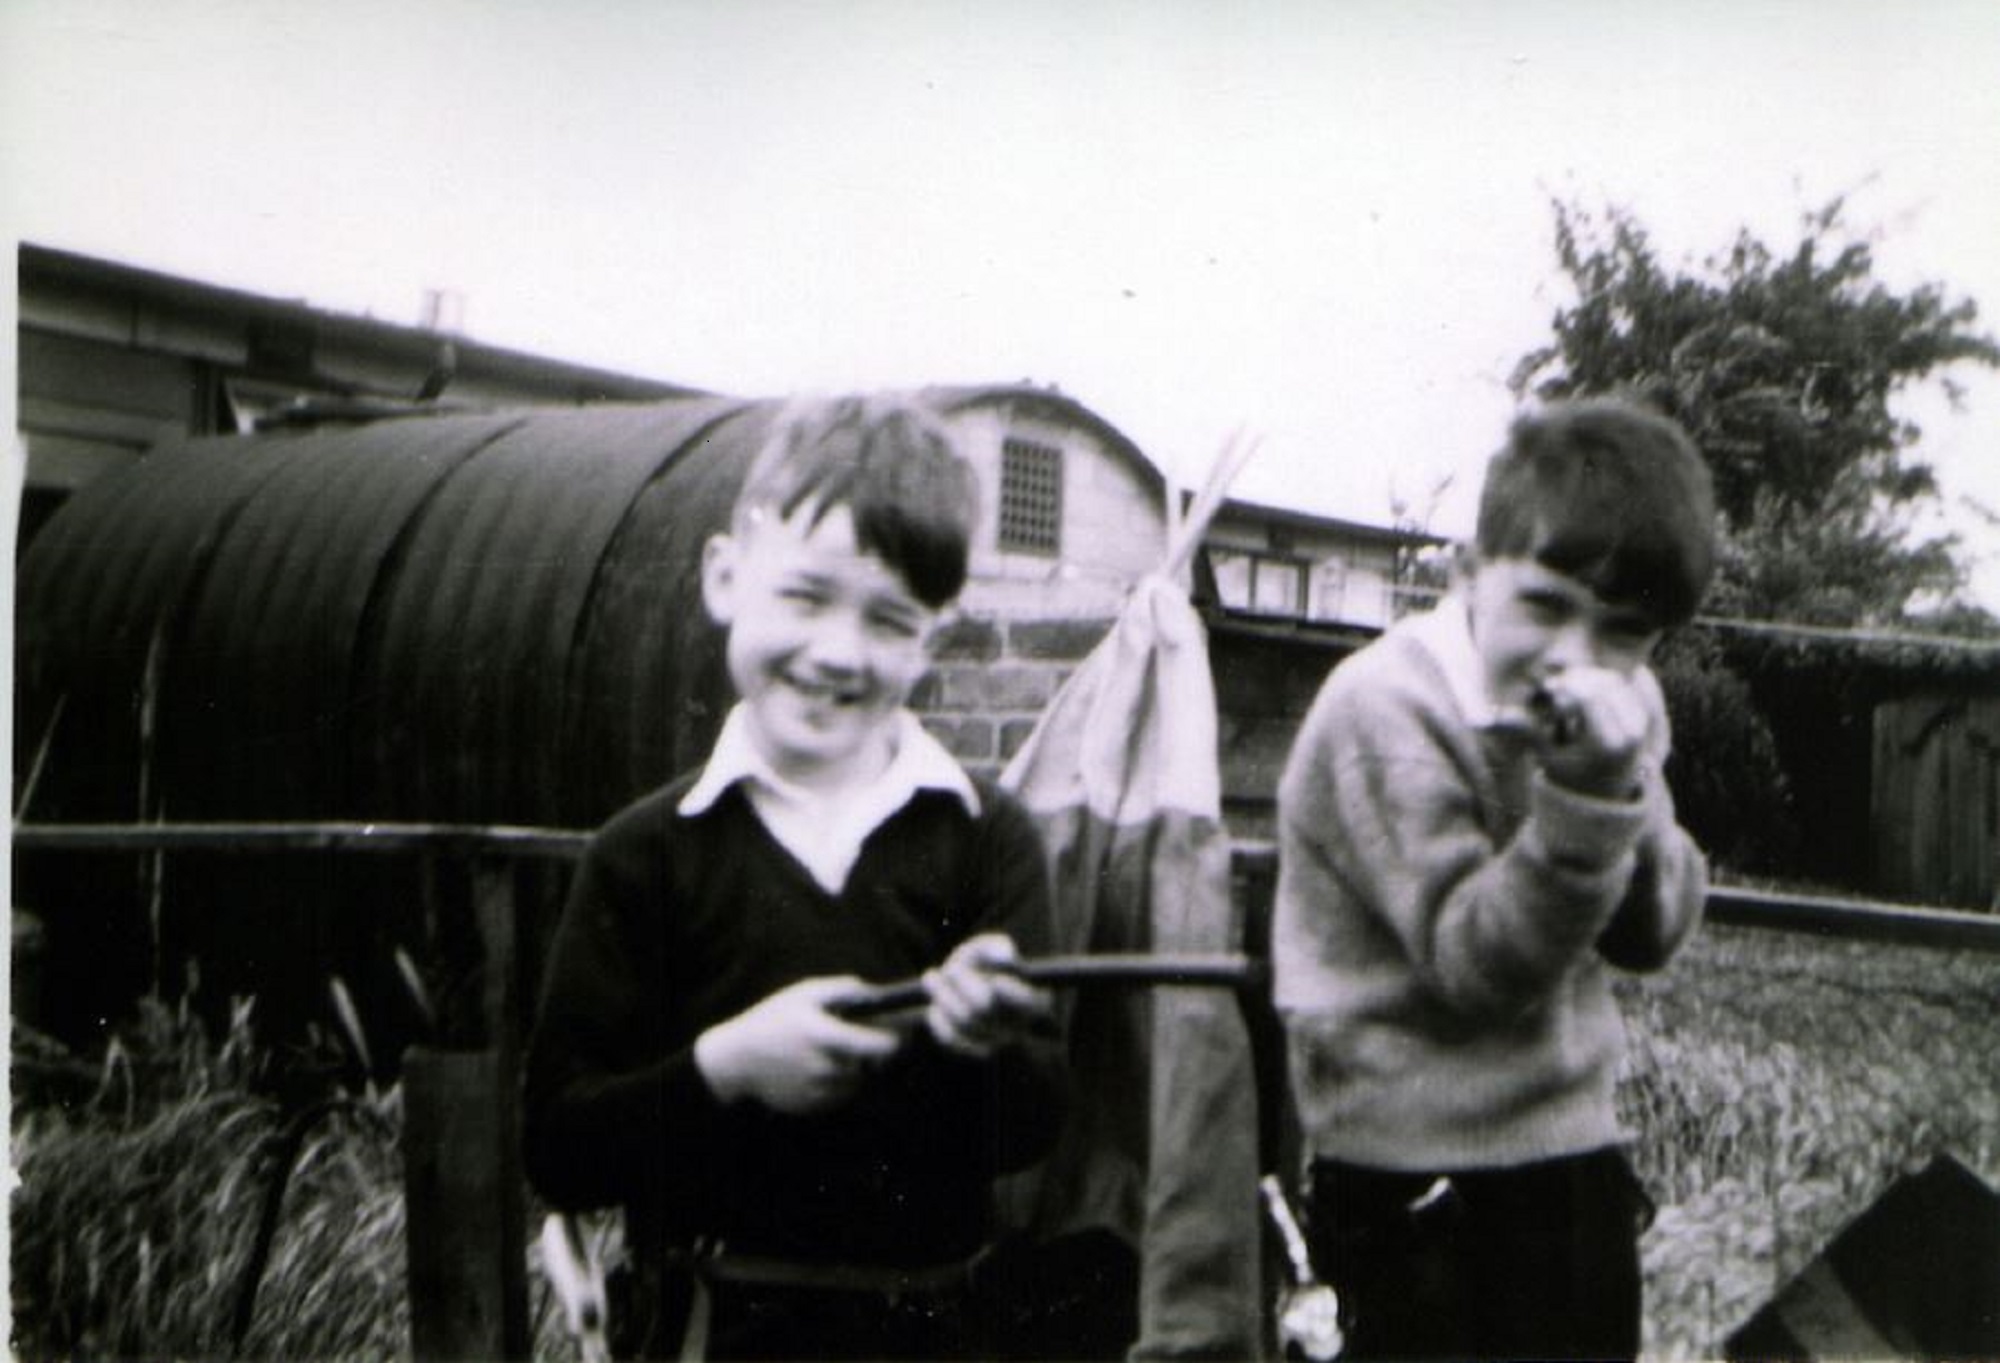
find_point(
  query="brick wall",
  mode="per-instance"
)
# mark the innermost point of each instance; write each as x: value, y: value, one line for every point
x: 992, y: 679
x: 995, y: 675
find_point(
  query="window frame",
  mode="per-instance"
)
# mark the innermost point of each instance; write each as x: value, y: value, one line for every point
x: 1262, y: 564
x: 1029, y: 517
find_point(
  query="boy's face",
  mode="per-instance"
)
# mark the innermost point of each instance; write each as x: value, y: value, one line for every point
x: 1531, y: 623
x: 825, y: 642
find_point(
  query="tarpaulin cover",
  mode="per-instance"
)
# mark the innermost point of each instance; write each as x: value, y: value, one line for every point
x: 1121, y: 774
x: 1917, y: 1275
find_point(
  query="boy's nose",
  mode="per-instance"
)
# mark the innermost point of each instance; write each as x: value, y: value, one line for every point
x: 1572, y: 646
x: 837, y: 644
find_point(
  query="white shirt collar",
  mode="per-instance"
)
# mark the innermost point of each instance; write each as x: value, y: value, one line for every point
x: 1445, y: 632
x: 920, y: 763
x: 825, y: 832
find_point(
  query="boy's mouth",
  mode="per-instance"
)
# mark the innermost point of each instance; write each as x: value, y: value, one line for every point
x: 824, y: 692
x: 1546, y: 714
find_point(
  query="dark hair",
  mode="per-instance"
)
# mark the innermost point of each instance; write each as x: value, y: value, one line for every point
x: 895, y: 467
x: 1610, y: 493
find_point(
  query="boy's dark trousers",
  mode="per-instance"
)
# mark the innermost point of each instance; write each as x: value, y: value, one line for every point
x: 1537, y: 1261
x: 767, y: 1322
x: 791, y: 1321
x: 1072, y: 1299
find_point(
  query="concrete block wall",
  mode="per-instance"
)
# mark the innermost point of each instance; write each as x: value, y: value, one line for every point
x: 992, y: 679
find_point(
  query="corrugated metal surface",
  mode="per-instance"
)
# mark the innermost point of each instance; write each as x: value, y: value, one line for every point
x: 446, y: 618
x: 649, y: 689
x: 481, y: 630
x: 407, y: 620
x: 258, y: 715
x: 101, y: 581
x: 390, y: 621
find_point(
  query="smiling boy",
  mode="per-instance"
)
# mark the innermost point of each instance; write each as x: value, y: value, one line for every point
x: 824, y: 1180
x: 1473, y: 826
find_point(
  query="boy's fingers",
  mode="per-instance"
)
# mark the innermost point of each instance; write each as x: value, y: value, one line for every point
x: 963, y: 1039
x: 992, y: 949
x: 856, y: 1040
x: 954, y: 1016
x: 977, y: 1012
x: 839, y: 1039
x: 959, y: 995
x: 830, y: 988
x: 1017, y: 995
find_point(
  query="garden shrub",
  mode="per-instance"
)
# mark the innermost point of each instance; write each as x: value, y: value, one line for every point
x: 1729, y: 786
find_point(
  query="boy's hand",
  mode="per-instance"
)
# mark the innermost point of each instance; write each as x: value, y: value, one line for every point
x: 977, y: 1004
x: 1597, y: 732
x: 789, y: 1053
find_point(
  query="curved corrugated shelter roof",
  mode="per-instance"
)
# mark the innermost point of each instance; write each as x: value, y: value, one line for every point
x: 419, y: 618
x: 487, y: 618
x: 448, y: 618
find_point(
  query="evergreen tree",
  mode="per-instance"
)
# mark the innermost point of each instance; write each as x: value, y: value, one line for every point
x: 1782, y: 366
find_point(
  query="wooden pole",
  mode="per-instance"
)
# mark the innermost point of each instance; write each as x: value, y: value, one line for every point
x: 462, y: 1208
x: 464, y: 1197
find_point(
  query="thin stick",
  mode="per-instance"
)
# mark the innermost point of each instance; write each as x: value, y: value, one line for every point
x: 1216, y: 970
x: 1229, y: 462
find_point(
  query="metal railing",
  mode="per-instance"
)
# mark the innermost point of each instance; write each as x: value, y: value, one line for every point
x: 1844, y: 917
x: 465, y: 1197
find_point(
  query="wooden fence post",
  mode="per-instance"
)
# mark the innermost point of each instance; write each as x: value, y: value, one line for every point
x: 465, y: 1218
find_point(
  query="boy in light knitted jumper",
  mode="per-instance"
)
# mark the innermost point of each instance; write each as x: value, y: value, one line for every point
x: 1473, y: 827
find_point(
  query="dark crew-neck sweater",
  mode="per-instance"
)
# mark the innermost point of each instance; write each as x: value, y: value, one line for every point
x: 678, y: 921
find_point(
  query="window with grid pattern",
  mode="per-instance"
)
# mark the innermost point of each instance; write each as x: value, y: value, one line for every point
x: 1031, y: 478
x: 1262, y: 584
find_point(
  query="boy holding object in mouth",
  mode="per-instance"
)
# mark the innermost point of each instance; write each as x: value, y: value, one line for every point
x: 1473, y: 830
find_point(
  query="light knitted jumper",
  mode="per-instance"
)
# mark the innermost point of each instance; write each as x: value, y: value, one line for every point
x: 1445, y: 914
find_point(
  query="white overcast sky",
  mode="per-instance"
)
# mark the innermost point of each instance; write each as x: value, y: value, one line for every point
x: 1328, y: 222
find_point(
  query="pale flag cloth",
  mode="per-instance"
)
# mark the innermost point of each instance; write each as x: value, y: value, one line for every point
x: 1122, y: 777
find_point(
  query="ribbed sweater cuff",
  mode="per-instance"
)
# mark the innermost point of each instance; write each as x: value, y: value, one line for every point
x: 1580, y: 830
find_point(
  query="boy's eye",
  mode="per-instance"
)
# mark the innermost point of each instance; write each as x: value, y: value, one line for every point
x: 1547, y: 607
x: 803, y: 595
x: 895, y: 625
x: 1630, y: 631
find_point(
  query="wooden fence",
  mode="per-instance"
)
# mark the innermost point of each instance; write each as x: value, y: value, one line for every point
x: 1937, y: 799
x: 465, y: 1207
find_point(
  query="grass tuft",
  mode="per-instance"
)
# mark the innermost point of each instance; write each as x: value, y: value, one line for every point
x: 138, y: 1205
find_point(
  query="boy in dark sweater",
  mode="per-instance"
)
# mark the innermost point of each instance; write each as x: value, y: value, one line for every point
x: 798, y: 1183
x: 1472, y: 828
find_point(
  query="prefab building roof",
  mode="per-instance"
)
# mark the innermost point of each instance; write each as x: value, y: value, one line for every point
x: 489, y: 617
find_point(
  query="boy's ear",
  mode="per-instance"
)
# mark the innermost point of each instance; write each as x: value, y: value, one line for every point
x: 718, y: 577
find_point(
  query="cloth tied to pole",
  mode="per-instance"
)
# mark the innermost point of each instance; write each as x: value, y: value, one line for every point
x: 1121, y: 775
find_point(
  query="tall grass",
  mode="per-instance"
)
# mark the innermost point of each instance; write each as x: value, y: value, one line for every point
x: 136, y: 1220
